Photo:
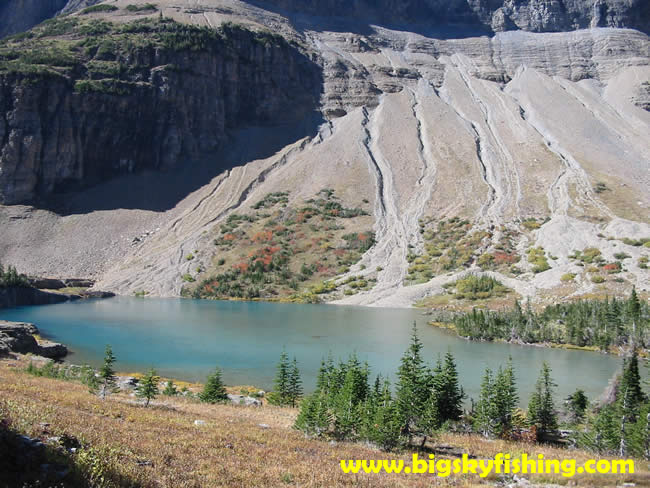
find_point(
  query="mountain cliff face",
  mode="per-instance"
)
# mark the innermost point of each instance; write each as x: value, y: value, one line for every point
x: 495, y: 15
x: 523, y: 155
x: 147, y: 96
x: 20, y: 15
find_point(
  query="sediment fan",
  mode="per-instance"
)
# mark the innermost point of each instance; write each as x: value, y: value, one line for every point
x: 425, y: 122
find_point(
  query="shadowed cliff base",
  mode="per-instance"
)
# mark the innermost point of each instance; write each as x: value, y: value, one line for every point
x: 160, y: 191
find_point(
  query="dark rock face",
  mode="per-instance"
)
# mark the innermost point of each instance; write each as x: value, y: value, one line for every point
x: 20, y: 15
x: 497, y: 15
x: 57, y: 284
x: 19, y: 297
x: 19, y: 337
x: 174, y: 105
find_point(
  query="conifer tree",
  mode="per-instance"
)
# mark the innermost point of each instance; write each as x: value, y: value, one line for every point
x: 348, y: 401
x: 148, y: 387
x: 449, y: 393
x: 295, y: 384
x: 634, y: 305
x: 631, y: 396
x: 281, y: 392
x: 576, y: 405
x: 505, y: 399
x: 485, y: 409
x: 541, y: 408
x: 170, y: 389
x: 385, y: 424
x: 214, y: 390
x: 413, y: 387
x: 106, y: 383
x: 314, y: 417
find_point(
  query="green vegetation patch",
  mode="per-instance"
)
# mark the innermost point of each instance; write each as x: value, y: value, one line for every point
x: 71, y: 47
x: 475, y: 287
x: 146, y: 7
x: 282, y: 252
x: 102, y: 7
x: 537, y: 257
x: 644, y: 241
x: 448, y: 245
x: 612, y: 322
x: 11, y: 277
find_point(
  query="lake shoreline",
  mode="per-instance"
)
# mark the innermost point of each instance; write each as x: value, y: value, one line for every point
x: 619, y: 352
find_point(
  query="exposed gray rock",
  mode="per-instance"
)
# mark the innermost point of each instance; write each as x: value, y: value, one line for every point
x: 530, y: 15
x: 244, y: 400
x: 127, y: 382
x: 19, y: 337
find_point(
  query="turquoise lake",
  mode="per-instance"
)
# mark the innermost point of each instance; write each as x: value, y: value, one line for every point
x: 185, y: 339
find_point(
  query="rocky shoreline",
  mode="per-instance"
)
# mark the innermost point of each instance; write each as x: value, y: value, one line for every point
x: 18, y: 337
x: 48, y: 291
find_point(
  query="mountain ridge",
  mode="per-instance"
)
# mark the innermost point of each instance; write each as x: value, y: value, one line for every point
x: 510, y: 155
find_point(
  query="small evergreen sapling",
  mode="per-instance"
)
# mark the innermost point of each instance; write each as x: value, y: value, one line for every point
x: 170, y: 389
x: 106, y: 382
x: 148, y: 387
x: 214, y: 390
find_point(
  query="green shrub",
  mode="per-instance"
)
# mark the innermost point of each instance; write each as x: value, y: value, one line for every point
x: 141, y: 8
x: 537, y: 258
x: 643, y: 262
x: 102, y: 7
x: 600, y: 187
x: 188, y: 278
x: 597, y: 279
x: 531, y: 224
x: 566, y: 277
x: 475, y: 287
x: 645, y: 241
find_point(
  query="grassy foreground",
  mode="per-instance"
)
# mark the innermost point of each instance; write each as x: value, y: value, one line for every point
x: 162, y: 446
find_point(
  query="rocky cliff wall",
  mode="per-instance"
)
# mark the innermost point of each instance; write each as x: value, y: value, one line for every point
x: 21, y: 297
x: 20, y: 15
x: 496, y: 15
x: 142, y: 96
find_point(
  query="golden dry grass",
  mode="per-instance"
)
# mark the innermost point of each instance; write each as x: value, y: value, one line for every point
x: 231, y: 449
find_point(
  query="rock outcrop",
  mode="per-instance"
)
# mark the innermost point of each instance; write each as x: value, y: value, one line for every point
x: 19, y: 337
x: 20, y: 15
x: 162, y: 95
x: 20, y: 297
x: 499, y: 15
